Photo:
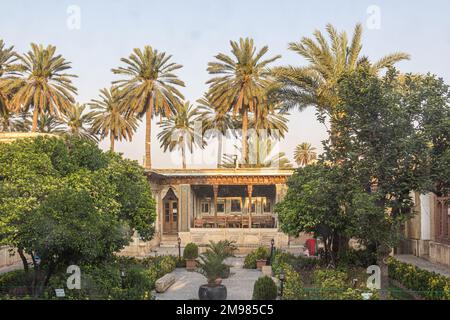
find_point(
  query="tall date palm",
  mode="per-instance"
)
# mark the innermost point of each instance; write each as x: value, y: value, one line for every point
x: 179, y: 131
x: 149, y: 87
x: 241, y: 82
x: 111, y: 119
x: 316, y: 84
x: 304, y: 154
x: 44, y: 86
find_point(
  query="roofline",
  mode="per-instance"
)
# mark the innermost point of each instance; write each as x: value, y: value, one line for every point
x: 220, y: 172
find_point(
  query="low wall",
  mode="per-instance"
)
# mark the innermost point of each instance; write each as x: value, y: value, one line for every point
x: 419, y: 248
x: 245, y: 238
x: 440, y: 253
x: 8, y: 256
x: 139, y: 248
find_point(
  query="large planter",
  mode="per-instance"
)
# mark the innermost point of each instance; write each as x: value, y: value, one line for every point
x: 191, y: 264
x: 260, y: 264
x: 208, y: 292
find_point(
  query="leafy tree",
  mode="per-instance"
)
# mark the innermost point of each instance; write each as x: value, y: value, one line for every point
x: 304, y: 154
x: 111, y: 119
x: 316, y: 202
x: 82, y: 203
x: 178, y: 130
x: 388, y: 142
x: 150, y: 87
x: 44, y: 85
x: 241, y: 83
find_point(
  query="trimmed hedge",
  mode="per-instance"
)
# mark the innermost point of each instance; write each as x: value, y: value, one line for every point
x: 429, y: 285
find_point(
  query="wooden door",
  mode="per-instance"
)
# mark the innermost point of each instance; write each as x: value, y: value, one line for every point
x: 170, y: 216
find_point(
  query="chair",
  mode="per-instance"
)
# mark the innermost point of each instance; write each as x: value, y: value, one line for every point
x: 221, y: 221
x: 198, y: 223
x: 245, y: 223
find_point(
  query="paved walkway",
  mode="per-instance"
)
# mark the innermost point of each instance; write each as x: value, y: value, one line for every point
x: 423, y: 264
x: 239, y: 284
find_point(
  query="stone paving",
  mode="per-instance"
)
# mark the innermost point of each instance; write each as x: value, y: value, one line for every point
x: 239, y: 284
x: 423, y: 264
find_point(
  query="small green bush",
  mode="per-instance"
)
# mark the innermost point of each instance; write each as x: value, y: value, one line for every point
x: 190, y: 251
x: 262, y: 253
x: 264, y: 289
x: 293, y: 284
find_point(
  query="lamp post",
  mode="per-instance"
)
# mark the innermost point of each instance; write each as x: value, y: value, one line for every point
x: 281, y: 277
x: 179, y: 248
x: 122, y: 278
x: 272, y: 242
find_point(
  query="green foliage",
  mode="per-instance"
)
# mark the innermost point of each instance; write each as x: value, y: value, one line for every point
x: 293, y: 284
x: 357, y: 258
x: 262, y: 253
x: 211, y: 261
x: 264, y: 289
x: 427, y: 284
x: 190, y: 251
x: 69, y: 202
x: 334, y: 285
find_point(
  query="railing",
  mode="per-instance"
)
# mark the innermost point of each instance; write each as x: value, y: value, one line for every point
x: 235, y: 221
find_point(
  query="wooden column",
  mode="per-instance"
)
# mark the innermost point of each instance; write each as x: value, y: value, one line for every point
x: 249, y: 191
x: 215, y: 191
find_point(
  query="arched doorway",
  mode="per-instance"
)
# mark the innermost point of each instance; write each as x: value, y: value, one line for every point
x: 170, y: 213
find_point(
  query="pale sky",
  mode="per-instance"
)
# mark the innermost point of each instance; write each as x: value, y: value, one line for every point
x: 196, y: 30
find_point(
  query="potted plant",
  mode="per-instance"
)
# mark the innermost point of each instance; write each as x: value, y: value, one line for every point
x: 261, y: 255
x: 212, y: 266
x: 190, y: 254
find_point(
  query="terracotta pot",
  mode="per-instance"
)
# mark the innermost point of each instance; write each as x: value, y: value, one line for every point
x: 191, y: 264
x: 260, y: 264
x: 208, y: 292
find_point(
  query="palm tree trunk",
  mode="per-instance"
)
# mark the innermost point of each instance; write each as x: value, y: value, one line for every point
x: 148, y: 135
x: 112, y: 140
x: 183, y: 156
x: 35, y: 119
x: 244, y: 136
x: 219, y: 150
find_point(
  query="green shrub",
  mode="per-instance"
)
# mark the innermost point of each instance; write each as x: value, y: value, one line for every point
x: 428, y: 284
x: 264, y: 289
x: 334, y: 285
x: 357, y: 258
x: 190, y: 251
x: 281, y: 258
x: 293, y: 284
x: 262, y: 253
x: 16, y: 281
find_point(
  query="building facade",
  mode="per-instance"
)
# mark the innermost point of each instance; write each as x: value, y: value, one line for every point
x: 427, y: 233
x: 202, y: 205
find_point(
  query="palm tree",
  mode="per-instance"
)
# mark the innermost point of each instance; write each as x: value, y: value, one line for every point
x: 178, y: 131
x: 316, y: 84
x: 111, y: 119
x: 8, y: 70
x: 149, y: 87
x: 304, y: 154
x: 218, y: 122
x: 241, y: 83
x: 48, y: 123
x: 79, y: 122
x: 44, y: 87
x: 272, y: 120
x: 266, y: 157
